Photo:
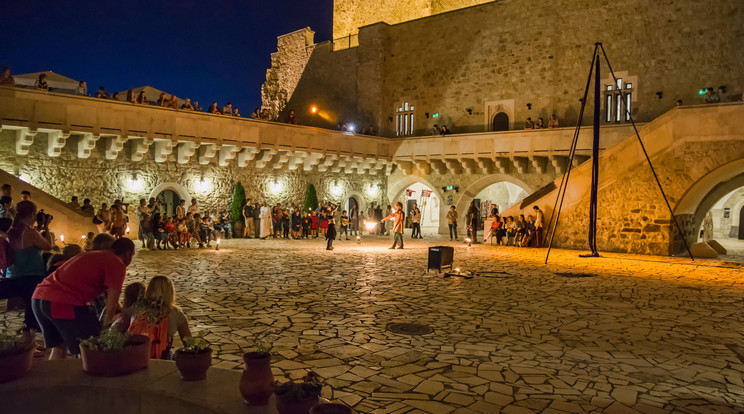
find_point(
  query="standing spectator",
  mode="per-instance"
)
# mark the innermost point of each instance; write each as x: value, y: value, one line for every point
x: 41, y: 83
x: 73, y: 204
x: 538, y: 226
x: 257, y: 220
x: 354, y: 219
x: 181, y: 210
x: 473, y: 221
x: 344, y: 225
x: 529, y: 124
x: 187, y: 105
x: 162, y: 100
x: 292, y: 119
x: 416, y: 222
x: 553, y: 121
x: 213, y: 109
x: 60, y: 302
x: 27, y: 247
x: 6, y: 208
x: 118, y: 222
x: 25, y: 195
x: 115, y: 96
x: 266, y: 221
x: 6, y: 78
x: 256, y: 114
x: 87, y: 207
x: 227, y: 109
x: 710, y: 96
x: 444, y: 131
x: 102, y: 220
x: 104, y: 94
x: 452, y: 222
x: 398, y: 218
x: 540, y: 124
x: 248, y: 217
x: 265, y: 115
x: 82, y: 89
x: 276, y: 220
x: 193, y: 208
x: 142, y: 98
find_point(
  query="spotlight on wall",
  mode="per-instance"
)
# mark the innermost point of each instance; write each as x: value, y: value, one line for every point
x: 203, y: 185
x: 314, y: 109
x: 372, y: 191
x: 659, y: 95
x: 276, y: 187
x: 529, y: 106
x: 337, y: 189
x: 135, y: 184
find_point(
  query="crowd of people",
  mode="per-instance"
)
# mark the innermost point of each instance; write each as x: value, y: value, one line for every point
x: 519, y: 232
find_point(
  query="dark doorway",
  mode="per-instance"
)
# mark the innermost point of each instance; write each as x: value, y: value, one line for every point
x: 501, y: 122
x: 741, y: 224
x: 350, y: 203
x: 169, y: 200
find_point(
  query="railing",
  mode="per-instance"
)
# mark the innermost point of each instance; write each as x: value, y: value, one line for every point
x: 346, y: 42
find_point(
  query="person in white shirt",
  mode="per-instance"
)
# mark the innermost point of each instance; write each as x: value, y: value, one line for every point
x: 193, y: 208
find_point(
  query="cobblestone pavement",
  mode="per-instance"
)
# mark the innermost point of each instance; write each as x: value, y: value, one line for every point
x: 641, y: 334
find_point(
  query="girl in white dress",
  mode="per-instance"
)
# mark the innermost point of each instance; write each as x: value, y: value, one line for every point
x: 265, y: 221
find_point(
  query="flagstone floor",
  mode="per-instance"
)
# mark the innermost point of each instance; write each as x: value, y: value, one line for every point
x: 642, y: 334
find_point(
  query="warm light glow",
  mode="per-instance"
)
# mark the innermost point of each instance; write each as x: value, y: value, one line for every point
x: 127, y: 229
x: 314, y: 109
x: 351, y: 128
x: 217, y: 246
x: 62, y: 238
x: 337, y: 189
x: 457, y: 269
x: 135, y: 185
x: 203, y: 186
x: 372, y: 191
x: 82, y: 237
x: 276, y: 187
x: 370, y: 225
x: 468, y: 240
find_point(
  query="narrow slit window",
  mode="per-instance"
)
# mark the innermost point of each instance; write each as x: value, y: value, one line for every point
x: 627, y: 106
x: 608, y: 108
x: 619, y: 107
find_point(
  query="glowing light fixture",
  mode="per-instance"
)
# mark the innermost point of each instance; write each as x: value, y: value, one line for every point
x: 372, y: 190
x: 469, y: 241
x: 276, y: 187
x: 370, y: 225
x: 314, y: 109
x: 62, y: 238
x: 135, y: 185
x: 337, y: 189
x: 203, y: 185
x: 351, y: 128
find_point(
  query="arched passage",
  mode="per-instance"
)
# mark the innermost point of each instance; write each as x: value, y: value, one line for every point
x: 500, y: 122
x: 479, y: 186
x: 434, y: 214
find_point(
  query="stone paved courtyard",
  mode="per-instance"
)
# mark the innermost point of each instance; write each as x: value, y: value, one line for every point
x: 646, y: 334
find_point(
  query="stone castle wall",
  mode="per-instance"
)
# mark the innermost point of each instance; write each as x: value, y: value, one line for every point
x: 501, y: 56
x: 104, y: 180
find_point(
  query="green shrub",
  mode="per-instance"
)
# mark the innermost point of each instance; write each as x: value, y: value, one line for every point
x: 311, y: 198
x: 238, y: 201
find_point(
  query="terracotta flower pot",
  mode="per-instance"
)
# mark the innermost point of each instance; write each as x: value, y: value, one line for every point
x: 193, y: 366
x: 257, y: 381
x: 293, y: 406
x: 134, y: 357
x: 14, y: 366
x: 330, y: 409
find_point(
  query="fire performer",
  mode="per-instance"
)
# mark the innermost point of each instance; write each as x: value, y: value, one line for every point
x: 398, y: 218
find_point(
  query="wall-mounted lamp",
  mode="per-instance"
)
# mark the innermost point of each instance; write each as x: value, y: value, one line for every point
x: 276, y: 187
x: 337, y: 189
x: 426, y: 115
x: 135, y: 184
x: 314, y: 109
x: 203, y: 185
x: 470, y: 111
x: 372, y: 191
x: 529, y: 106
x: 659, y: 95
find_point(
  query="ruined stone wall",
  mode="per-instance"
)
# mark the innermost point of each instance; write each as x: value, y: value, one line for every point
x: 350, y: 15
x: 104, y: 180
x: 287, y: 65
x: 508, y: 54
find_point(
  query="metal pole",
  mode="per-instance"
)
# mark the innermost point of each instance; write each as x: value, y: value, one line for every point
x: 595, y: 168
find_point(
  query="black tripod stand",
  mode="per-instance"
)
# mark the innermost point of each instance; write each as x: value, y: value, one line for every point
x: 594, y: 69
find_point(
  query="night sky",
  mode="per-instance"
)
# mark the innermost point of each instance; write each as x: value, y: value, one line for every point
x: 204, y: 50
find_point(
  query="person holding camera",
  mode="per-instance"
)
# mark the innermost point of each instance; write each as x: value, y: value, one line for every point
x: 27, y: 246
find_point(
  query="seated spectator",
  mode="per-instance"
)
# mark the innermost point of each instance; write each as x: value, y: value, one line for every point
x: 142, y: 99
x: 711, y: 96
x: 162, y: 101
x: 28, y: 267
x: 87, y: 207
x: 187, y: 105
x: 213, y: 109
x: 5, y: 78
x: 435, y: 130
x: 236, y: 112
x: 265, y: 115
x: 529, y: 124
x: 69, y: 251
x: 130, y: 96
x: 115, y: 96
x: 256, y: 114
x: 196, y: 106
x: 227, y: 110
x: 41, y: 83
x: 553, y: 121
x: 103, y: 241
x: 292, y: 119
x: 173, y: 102
x: 102, y: 91
x: 74, y: 203
x: 444, y: 130
x: 82, y: 89
x: 89, y: 241
x: 60, y: 301
x: 133, y: 295
x: 371, y: 131
x: 25, y: 195
x: 678, y: 103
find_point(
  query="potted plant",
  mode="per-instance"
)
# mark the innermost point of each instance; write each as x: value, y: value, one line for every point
x: 236, y: 210
x: 311, y: 198
x: 16, y: 352
x: 194, y: 358
x: 113, y: 353
x: 298, y: 397
x: 257, y: 381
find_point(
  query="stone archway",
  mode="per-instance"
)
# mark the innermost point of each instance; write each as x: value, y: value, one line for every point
x: 467, y: 197
x: 175, y: 187
x: 397, y: 187
x: 500, y: 122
